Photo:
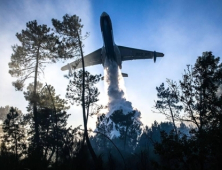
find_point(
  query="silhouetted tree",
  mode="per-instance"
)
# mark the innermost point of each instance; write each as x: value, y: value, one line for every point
x: 52, y: 136
x: 7, y: 158
x: 104, y: 126
x: 199, y: 91
x: 5, y: 110
x: 128, y: 126
x: 38, y: 47
x: 47, y: 97
x: 153, y: 134
x: 168, y: 104
x: 70, y: 32
x: 202, y: 106
x: 14, y: 134
x: 52, y: 120
x: 183, y: 129
x: 74, y: 90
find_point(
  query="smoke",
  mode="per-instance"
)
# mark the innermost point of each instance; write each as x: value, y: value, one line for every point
x: 114, y: 84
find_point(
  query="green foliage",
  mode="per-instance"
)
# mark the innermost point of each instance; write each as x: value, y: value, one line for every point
x: 69, y: 32
x: 52, y: 120
x: 45, y: 97
x: 14, y: 136
x: 128, y: 126
x: 199, y: 89
x: 5, y: 110
x: 74, y: 88
x: 202, y: 106
x: 168, y: 104
x: 103, y: 127
x: 37, y: 47
x: 7, y: 159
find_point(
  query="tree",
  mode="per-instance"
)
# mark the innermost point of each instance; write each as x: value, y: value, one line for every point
x: 74, y: 90
x: 199, y: 91
x: 128, y: 126
x: 104, y: 128
x: 70, y: 146
x: 70, y: 32
x: 47, y: 97
x: 52, y: 133
x: 5, y: 110
x: 38, y: 47
x: 202, y: 106
x: 168, y: 104
x: 52, y: 119
x: 14, y: 133
x: 74, y: 94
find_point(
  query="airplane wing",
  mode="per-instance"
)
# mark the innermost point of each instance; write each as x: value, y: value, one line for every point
x: 93, y: 58
x: 128, y: 53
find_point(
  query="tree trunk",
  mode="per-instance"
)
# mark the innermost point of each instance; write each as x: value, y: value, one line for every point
x: 84, y: 138
x: 50, y: 157
x: 83, y: 107
x: 56, y: 126
x: 36, y: 138
x: 125, y: 137
x: 171, y: 112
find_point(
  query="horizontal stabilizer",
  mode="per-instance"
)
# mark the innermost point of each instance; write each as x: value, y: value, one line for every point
x: 124, y: 75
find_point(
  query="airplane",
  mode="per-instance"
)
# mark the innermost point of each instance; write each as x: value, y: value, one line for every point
x: 111, y: 51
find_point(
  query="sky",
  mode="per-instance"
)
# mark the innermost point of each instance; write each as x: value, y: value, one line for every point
x: 181, y: 29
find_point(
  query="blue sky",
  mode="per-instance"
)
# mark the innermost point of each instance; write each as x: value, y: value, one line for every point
x: 181, y: 29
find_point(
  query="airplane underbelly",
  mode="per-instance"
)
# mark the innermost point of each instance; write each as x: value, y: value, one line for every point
x: 110, y: 50
x: 108, y: 41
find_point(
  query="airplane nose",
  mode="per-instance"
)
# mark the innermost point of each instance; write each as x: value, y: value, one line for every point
x: 104, y: 14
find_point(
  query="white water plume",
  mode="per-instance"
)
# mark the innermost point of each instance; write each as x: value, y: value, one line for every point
x: 116, y: 94
x: 114, y: 84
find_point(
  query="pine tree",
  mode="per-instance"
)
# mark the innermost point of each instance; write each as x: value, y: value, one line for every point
x: 46, y: 97
x: 52, y: 119
x: 14, y: 133
x: 103, y: 127
x: 168, y: 104
x: 75, y: 92
x: 128, y: 126
x: 70, y: 33
x: 39, y: 46
x: 199, y: 91
x: 202, y: 106
x: 4, y: 111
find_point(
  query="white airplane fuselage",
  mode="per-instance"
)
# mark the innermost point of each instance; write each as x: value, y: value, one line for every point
x: 110, y: 50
